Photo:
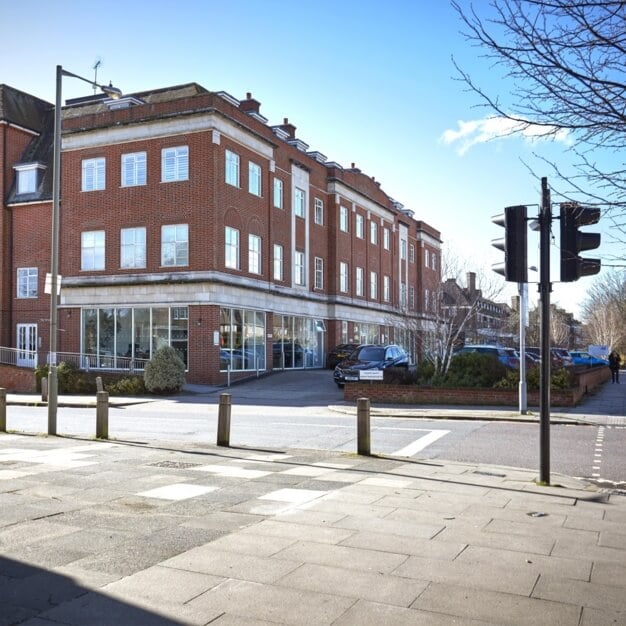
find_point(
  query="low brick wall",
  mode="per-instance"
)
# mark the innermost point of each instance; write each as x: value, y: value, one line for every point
x: 584, y: 381
x: 18, y: 379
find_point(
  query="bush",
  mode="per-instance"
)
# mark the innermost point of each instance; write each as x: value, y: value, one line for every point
x: 164, y: 372
x: 69, y: 379
x: 399, y: 376
x: 472, y: 369
x: 129, y: 386
x: 559, y: 379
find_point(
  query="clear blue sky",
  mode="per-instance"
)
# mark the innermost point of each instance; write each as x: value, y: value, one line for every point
x: 363, y: 82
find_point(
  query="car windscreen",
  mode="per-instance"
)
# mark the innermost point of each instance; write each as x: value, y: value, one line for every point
x: 371, y: 354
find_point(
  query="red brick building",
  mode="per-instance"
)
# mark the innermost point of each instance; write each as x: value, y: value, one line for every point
x: 187, y: 219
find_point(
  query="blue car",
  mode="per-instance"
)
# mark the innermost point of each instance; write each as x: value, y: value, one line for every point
x: 584, y: 358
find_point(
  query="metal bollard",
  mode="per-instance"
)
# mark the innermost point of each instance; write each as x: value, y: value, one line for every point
x: 223, y: 420
x: 44, y: 389
x: 3, y: 410
x: 102, y: 415
x: 363, y: 426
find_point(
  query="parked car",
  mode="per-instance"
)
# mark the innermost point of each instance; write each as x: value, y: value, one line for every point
x: 555, y: 359
x: 584, y: 358
x: 510, y: 361
x: 562, y: 354
x: 339, y: 353
x: 367, y: 357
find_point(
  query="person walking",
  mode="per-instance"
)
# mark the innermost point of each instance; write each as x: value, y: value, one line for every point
x: 614, y: 362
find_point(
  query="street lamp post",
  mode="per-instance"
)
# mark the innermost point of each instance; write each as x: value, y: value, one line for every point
x: 54, y: 247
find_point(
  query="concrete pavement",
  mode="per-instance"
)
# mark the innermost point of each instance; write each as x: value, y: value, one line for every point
x: 127, y: 533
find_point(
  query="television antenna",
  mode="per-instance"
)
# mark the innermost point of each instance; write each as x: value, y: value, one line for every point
x: 97, y: 64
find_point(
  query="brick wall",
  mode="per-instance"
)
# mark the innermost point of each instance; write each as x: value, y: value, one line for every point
x: 584, y: 382
x: 17, y: 379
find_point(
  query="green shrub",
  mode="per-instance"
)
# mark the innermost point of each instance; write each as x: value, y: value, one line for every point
x: 129, y: 386
x: 70, y: 379
x: 164, y: 372
x: 472, y: 369
x: 399, y: 376
x: 559, y: 379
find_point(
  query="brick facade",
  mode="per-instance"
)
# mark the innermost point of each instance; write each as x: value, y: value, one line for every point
x: 210, y: 125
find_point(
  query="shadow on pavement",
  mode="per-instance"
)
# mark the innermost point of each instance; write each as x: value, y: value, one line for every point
x: 27, y: 591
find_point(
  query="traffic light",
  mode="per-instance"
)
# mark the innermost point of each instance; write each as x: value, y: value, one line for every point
x: 514, y: 269
x: 573, y: 216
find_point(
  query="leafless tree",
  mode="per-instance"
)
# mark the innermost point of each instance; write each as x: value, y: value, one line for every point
x: 564, y: 63
x: 604, y: 311
x: 450, y: 312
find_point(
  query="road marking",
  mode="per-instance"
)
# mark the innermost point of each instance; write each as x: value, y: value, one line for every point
x: 421, y: 443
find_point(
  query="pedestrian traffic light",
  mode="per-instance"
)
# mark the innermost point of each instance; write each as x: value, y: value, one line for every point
x: 514, y: 269
x: 573, y: 216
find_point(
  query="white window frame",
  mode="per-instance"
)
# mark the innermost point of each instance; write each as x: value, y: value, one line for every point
x: 386, y: 288
x: 343, y: 277
x: 299, y: 202
x: 27, y: 282
x: 174, y: 245
x: 254, y: 254
x: 411, y: 253
x: 426, y: 299
x: 92, y: 250
x: 386, y: 239
x: 319, y: 273
x: 299, y: 273
x: 134, y: 169
x: 254, y: 178
x: 403, y: 295
x: 231, y: 248
x: 93, y: 174
x: 373, y: 286
x: 403, y: 249
x: 278, y: 193
x: 426, y: 257
x: 433, y: 261
x: 319, y: 212
x: 360, y: 280
x: 232, y: 168
x: 133, y: 250
x: 373, y: 233
x: 174, y: 164
x: 412, y: 297
x: 343, y: 219
x: 360, y: 226
x: 278, y: 271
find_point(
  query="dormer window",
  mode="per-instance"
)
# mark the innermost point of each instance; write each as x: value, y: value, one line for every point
x: 28, y: 177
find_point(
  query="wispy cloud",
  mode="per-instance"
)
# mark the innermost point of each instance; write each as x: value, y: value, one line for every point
x: 473, y: 132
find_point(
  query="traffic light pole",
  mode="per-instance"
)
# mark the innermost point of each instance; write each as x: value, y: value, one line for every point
x: 545, y: 223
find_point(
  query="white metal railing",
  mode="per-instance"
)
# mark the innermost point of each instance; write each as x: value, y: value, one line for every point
x: 30, y: 358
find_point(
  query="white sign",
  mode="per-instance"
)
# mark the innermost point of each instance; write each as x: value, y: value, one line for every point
x: 598, y: 351
x: 371, y: 374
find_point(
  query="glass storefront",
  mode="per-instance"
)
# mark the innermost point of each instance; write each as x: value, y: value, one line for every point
x: 113, y: 337
x: 298, y: 342
x: 365, y: 333
x: 242, y: 339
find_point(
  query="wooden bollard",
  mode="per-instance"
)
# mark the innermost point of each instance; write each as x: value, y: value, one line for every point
x: 3, y: 410
x: 102, y: 415
x: 44, y: 389
x: 363, y: 426
x: 223, y: 420
x: 99, y: 386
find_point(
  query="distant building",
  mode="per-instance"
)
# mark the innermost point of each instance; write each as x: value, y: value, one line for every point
x: 481, y: 320
x: 186, y: 219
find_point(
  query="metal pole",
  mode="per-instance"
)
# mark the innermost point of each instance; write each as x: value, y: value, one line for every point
x: 523, y: 303
x: 545, y: 222
x: 3, y: 410
x: 54, y: 260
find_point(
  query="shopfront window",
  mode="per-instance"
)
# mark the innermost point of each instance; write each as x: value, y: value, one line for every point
x: 298, y: 342
x: 242, y: 339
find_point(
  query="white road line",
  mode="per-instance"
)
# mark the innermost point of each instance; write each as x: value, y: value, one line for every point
x: 421, y: 443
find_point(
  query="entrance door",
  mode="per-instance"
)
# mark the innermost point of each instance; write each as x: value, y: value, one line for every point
x: 27, y: 345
